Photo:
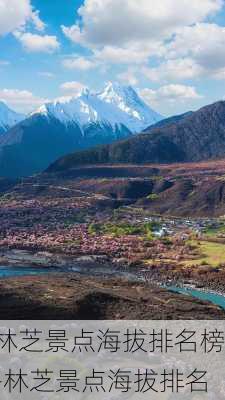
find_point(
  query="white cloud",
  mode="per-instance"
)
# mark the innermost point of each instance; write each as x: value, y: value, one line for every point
x: 46, y: 74
x: 128, y: 77
x: 170, y: 93
x: 110, y: 55
x: 130, y: 31
x: 79, y: 63
x: 21, y: 100
x: 14, y: 14
x: 204, y: 45
x: 38, y: 43
x: 174, y: 70
x: 219, y: 74
x: 72, y: 88
x: 4, y: 63
x: 116, y: 22
x: 132, y: 54
x: 39, y: 24
x: 72, y: 33
x: 195, y: 52
x: 203, y: 41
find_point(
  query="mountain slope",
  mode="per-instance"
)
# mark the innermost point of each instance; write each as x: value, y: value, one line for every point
x: 167, y: 121
x: 66, y: 125
x: 8, y: 118
x: 198, y: 136
x: 30, y: 146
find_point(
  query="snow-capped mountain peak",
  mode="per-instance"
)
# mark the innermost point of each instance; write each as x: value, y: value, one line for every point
x: 115, y: 106
x: 127, y: 100
x: 71, y: 124
x: 83, y: 110
x: 115, y: 91
x: 8, y: 117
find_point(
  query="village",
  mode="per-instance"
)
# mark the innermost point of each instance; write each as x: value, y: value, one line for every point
x: 72, y: 232
x: 129, y: 236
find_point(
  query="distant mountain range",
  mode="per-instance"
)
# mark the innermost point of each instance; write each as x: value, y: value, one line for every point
x: 190, y: 137
x: 8, y: 118
x: 73, y: 124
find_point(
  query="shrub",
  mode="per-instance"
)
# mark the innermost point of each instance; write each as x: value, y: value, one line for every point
x: 123, y: 229
x: 153, y: 196
x: 93, y: 229
x: 167, y: 242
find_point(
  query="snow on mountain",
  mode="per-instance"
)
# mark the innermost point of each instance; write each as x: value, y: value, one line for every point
x: 8, y: 117
x: 83, y: 110
x: 139, y: 114
x: 116, y: 106
x: 72, y: 124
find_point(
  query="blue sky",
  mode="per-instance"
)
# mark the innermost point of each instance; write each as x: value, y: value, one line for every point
x: 175, y: 59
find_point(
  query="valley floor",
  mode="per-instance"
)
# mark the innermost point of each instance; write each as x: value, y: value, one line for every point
x: 164, y: 224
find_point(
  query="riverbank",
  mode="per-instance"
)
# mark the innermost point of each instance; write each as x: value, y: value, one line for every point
x: 72, y: 296
x: 23, y: 263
